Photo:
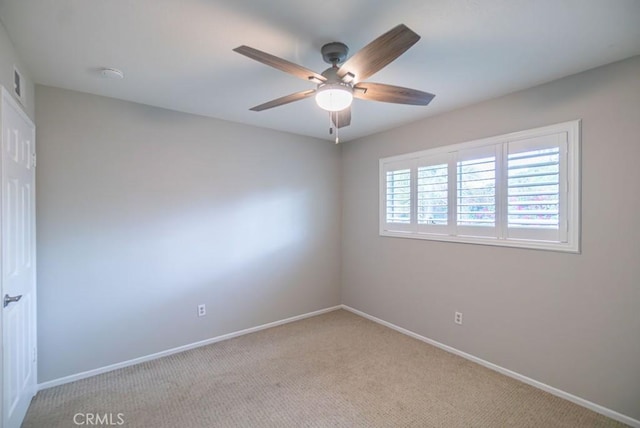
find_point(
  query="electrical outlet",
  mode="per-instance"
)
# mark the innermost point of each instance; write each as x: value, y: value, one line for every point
x: 458, y: 318
x: 202, y: 310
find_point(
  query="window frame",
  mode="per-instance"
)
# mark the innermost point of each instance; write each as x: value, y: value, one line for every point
x: 569, y: 193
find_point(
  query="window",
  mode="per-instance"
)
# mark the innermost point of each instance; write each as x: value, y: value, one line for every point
x: 519, y: 190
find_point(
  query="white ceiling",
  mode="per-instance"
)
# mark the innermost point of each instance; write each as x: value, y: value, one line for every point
x: 178, y: 54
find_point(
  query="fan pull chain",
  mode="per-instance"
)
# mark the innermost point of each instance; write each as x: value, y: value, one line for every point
x: 331, y: 127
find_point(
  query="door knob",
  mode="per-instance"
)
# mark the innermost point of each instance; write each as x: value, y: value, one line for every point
x: 8, y: 299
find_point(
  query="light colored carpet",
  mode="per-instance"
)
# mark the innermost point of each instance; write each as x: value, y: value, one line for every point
x: 333, y: 370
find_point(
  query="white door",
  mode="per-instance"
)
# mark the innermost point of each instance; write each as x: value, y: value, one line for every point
x: 18, y: 262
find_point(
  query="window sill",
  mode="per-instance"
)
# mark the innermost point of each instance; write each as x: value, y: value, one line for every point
x: 565, y: 247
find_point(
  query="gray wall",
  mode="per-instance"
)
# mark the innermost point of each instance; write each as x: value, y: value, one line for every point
x: 9, y: 59
x: 144, y: 213
x: 571, y: 321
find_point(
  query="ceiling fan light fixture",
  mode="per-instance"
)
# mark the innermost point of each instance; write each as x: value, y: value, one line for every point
x: 334, y: 96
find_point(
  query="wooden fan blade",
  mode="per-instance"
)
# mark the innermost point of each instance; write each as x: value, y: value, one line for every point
x: 297, y: 96
x: 377, y: 54
x: 341, y: 118
x: 280, y: 64
x: 391, y: 94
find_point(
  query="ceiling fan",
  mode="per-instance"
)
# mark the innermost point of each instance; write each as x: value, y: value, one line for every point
x: 339, y: 84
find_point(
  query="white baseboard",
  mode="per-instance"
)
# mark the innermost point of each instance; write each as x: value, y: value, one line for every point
x: 550, y: 389
x: 94, y: 372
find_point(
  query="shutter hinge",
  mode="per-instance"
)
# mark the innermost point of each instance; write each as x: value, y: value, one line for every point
x: 33, y: 159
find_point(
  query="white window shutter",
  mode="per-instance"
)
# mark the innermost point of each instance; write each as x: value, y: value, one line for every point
x: 536, y: 188
x: 398, y: 194
x: 476, y: 191
x: 432, y: 194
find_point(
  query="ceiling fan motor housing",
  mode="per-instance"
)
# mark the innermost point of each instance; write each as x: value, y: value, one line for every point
x: 334, y: 53
x: 331, y: 74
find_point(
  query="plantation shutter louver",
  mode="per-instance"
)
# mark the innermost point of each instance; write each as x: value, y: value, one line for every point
x: 398, y: 196
x: 536, y: 206
x: 476, y: 191
x: 432, y: 194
